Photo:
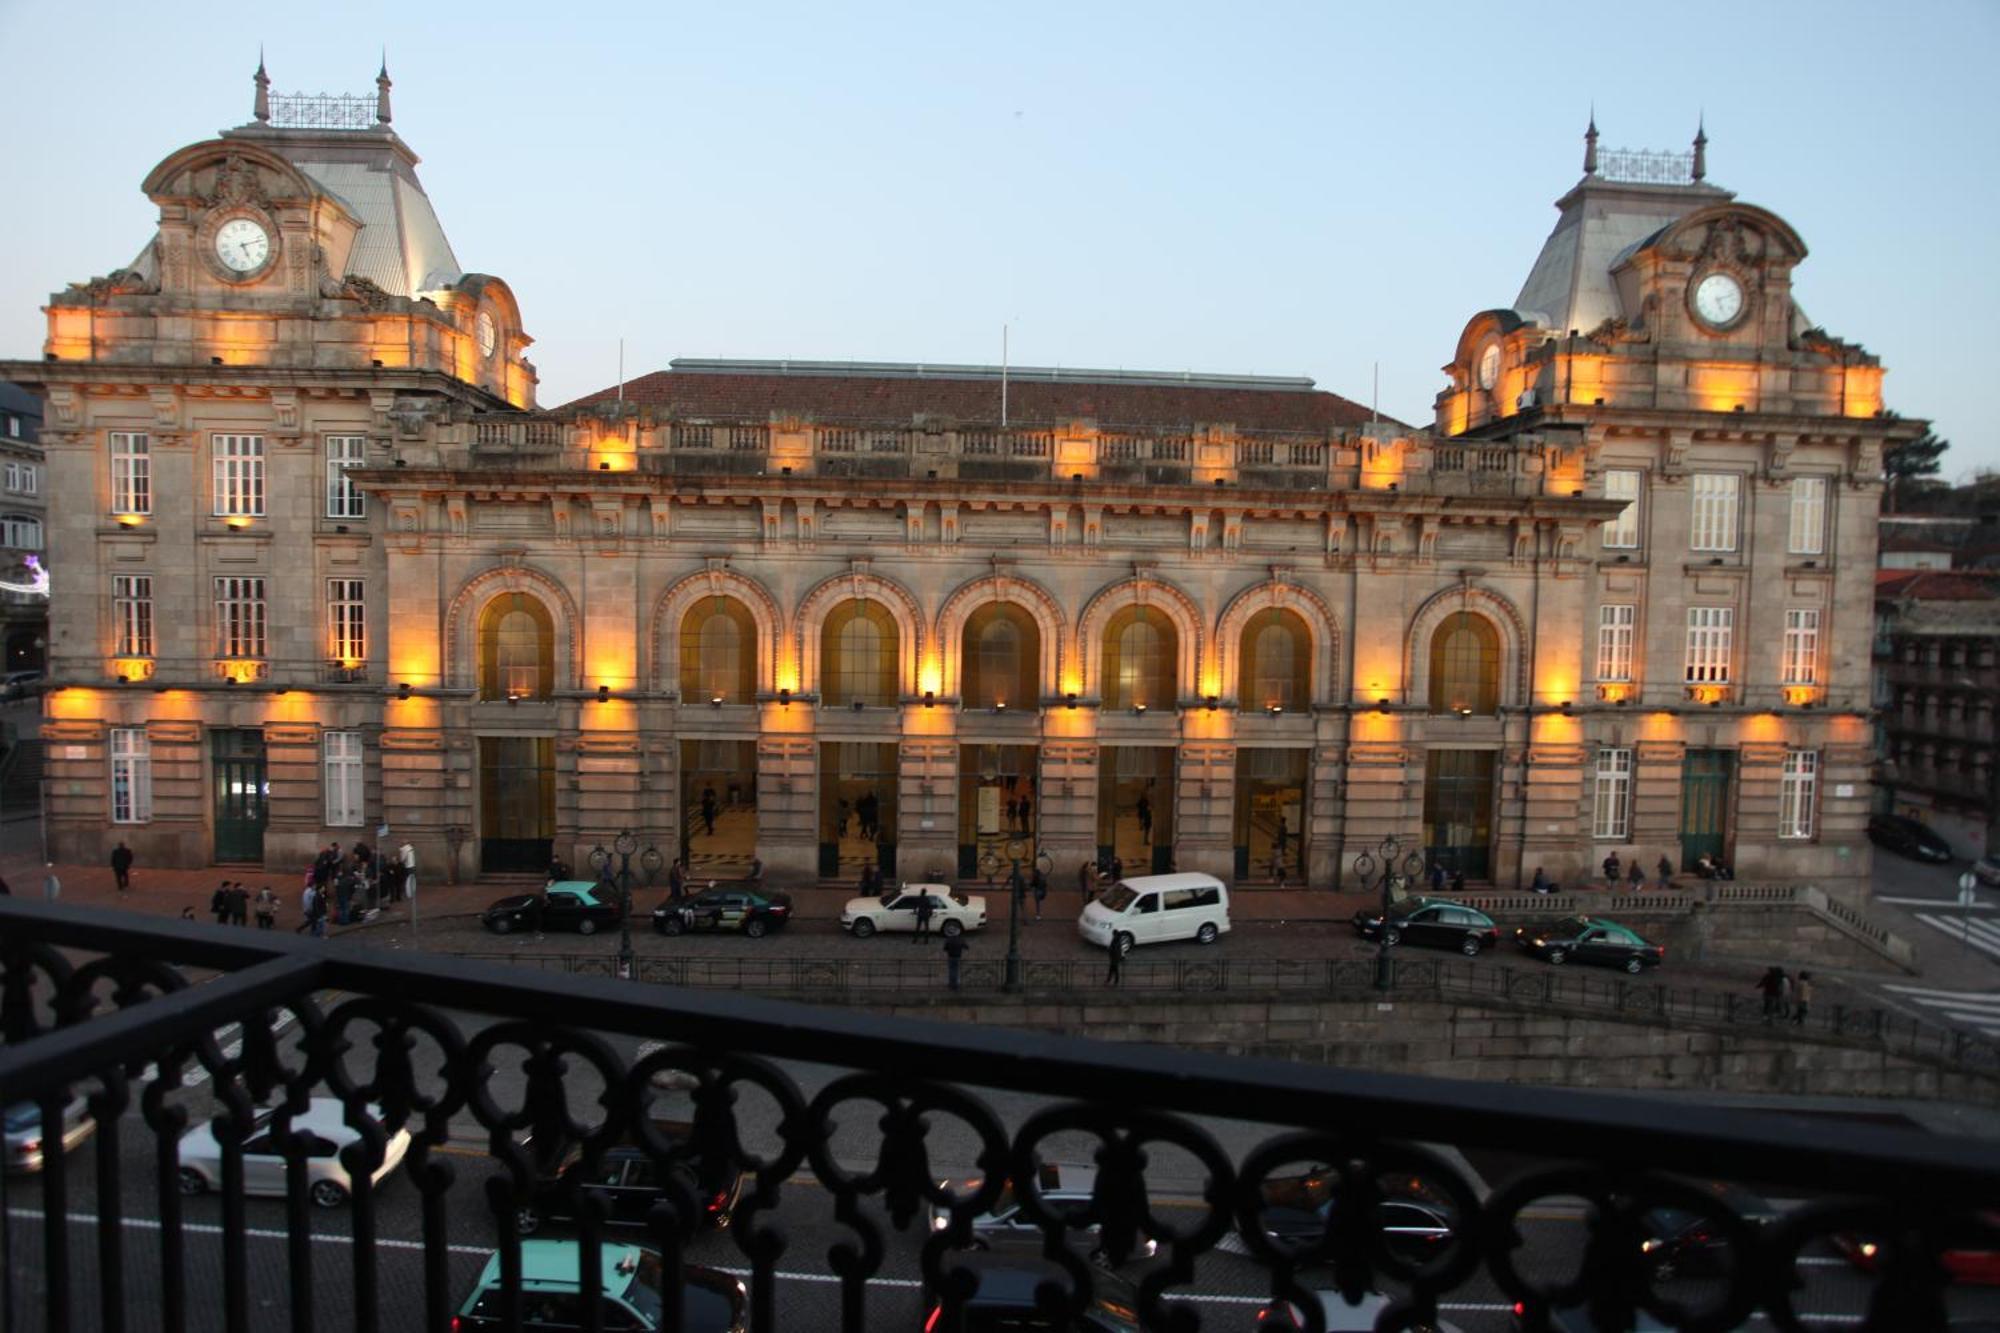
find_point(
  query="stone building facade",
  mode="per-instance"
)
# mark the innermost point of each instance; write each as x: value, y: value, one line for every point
x: 24, y: 607
x: 940, y: 617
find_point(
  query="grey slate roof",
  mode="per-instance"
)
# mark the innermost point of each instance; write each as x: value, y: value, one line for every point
x: 1601, y: 222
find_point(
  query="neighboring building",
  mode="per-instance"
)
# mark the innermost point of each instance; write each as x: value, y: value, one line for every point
x: 1923, y: 541
x: 941, y: 615
x: 1937, y: 685
x: 24, y: 614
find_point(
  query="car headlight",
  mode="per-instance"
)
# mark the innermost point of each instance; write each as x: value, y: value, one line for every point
x: 939, y: 1222
x: 1650, y: 1244
x: 1868, y: 1249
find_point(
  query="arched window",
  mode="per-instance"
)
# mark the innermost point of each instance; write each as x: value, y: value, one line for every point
x: 1001, y: 663
x: 1140, y: 648
x: 718, y: 652
x: 857, y: 655
x: 1465, y: 665
x: 1276, y: 661
x: 517, y: 649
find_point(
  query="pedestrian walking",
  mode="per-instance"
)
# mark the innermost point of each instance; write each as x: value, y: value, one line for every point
x: 954, y: 950
x: 51, y: 885
x: 121, y: 866
x: 1116, y: 953
x: 1013, y: 812
x: 316, y: 911
x: 1145, y: 811
x: 1458, y: 881
x: 239, y: 904
x: 218, y: 903
x: 407, y: 855
x: 267, y: 908
x: 1611, y: 871
x: 923, y: 919
x: 840, y: 817
x: 869, y: 811
x: 1666, y: 873
x: 708, y: 809
x: 756, y: 875
x: 677, y: 879
x: 1784, y: 996
x: 1802, y: 996
x: 1039, y: 885
x: 1117, y: 868
x: 1027, y: 814
x: 1772, y: 985
x: 1437, y: 878
x: 1086, y: 880
x: 1636, y: 877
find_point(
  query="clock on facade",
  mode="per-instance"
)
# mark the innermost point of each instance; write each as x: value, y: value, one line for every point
x: 1489, y: 366
x: 1718, y: 300
x: 488, y: 337
x: 242, y: 245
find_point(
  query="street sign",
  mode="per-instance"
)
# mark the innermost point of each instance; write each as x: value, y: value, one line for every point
x: 1966, y: 884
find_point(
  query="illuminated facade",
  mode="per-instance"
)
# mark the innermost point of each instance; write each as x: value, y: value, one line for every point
x: 834, y: 613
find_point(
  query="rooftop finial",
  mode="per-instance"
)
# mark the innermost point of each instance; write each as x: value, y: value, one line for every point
x: 382, y: 91
x: 1590, y: 144
x: 262, y: 109
x: 1701, y: 147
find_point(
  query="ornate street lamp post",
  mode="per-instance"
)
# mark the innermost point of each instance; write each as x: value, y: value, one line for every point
x: 1386, y: 857
x: 600, y: 861
x: 1016, y: 889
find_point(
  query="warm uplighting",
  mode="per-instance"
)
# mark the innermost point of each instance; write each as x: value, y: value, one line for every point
x: 930, y: 698
x: 131, y: 520
x: 999, y: 705
x: 1139, y: 709
x: 1382, y: 706
x: 133, y: 668
x: 604, y: 694
x: 238, y: 521
x: 1069, y: 700
x: 403, y: 690
x: 1615, y: 693
x: 784, y: 698
x: 242, y: 672
x: 1709, y: 695
x: 1464, y: 712
x: 1274, y: 709
x: 1212, y: 701
x: 1802, y: 696
x: 715, y: 701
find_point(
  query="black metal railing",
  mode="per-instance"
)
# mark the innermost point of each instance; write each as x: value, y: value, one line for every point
x: 898, y: 1126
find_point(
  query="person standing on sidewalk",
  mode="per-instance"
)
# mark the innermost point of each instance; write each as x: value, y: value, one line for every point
x: 1772, y: 985
x: 1040, y: 885
x: 1802, y: 995
x: 51, y: 886
x: 1086, y: 881
x: 218, y: 903
x: 407, y: 855
x: 267, y: 908
x: 239, y: 904
x: 1113, y: 976
x: 1636, y: 877
x: 1666, y: 873
x: 923, y: 919
x: 121, y: 866
x: 954, y: 949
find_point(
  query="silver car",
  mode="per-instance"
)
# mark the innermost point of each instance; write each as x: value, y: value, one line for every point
x: 1065, y: 1187
x: 27, y: 1146
x: 327, y: 1180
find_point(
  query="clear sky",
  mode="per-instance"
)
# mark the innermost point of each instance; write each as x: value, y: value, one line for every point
x: 1277, y: 189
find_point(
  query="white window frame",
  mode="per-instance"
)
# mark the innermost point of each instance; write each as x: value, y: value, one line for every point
x: 132, y: 614
x: 131, y: 776
x: 131, y: 472
x: 1808, y: 517
x: 1622, y: 533
x: 347, y: 620
x: 22, y: 532
x: 239, y: 475
x: 1715, y: 506
x: 1711, y: 637
x: 343, y: 498
x: 1801, y: 652
x: 341, y: 751
x: 241, y: 620
x: 1611, y: 796
x: 1617, y: 631
x: 23, y: 478
x: 1798, y: 794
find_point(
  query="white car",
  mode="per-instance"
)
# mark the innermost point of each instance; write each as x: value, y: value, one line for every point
x: 896, y: 910
x: 327, y: 1180
x: 1987, y: 869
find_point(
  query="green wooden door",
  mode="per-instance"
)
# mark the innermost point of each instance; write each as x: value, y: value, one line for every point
x: 1705, y: 778
x: 241, y: 794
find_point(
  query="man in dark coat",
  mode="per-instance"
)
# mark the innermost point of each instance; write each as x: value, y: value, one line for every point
x: 954, y: 949
x: 923, y: 918
x: 121, y: 866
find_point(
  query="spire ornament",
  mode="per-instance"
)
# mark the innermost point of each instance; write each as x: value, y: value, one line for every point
x: 1701, y: 148
x: 382, y: 86
x: 262, y: 108
x: 1590, y: 145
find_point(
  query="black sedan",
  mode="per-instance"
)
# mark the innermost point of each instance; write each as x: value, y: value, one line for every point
x: 1583, y: 939
x: 630, y: 1181
x: 1297, y: 1210
x: 570, y: 904
x: 1433, y: 922
x: 1907, y: 837
x: 1684, y: 1242
x: 714, y: 908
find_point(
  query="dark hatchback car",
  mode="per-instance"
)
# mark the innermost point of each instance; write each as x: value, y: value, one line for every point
x: 1582, y: 939
x: 630, y: 1182
x: 570, y: 904
x: 1907, y: 837
x: 1005, y: 1301
x: 1432, y: 922
x: 755, y: 914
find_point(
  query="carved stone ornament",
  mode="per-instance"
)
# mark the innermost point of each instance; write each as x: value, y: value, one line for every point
x: 364, y: 290
x: 237, y: 182
x: 118, y: 282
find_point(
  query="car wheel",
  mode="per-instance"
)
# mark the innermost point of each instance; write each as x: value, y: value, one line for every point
x: 586, y: 927
x: 1207, y: 933
x: 327, y: 1194
x: 1471, y: 947
x: 1393, y: 935
x: 193, y: 1182
x: 1635, y: 964
x: 1555, y: 957
x: 673, y: 925
x: 755, y: 928
x: 1122, y: 942
x: 952, y: 929
x: 502, y: 926
x: 863, y: 928
x: 526, y: 1220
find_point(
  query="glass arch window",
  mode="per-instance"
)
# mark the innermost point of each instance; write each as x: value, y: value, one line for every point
x: 517, y: 648
x: 718, y: 652
x: 1277, y: 661
x: 1465, y: 665
x: 1001, y: 661
x: 858, y: 655
x: 1140, y: 651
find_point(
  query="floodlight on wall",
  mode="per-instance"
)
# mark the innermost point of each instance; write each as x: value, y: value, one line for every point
x: 715, y: 701
x: 1274, y: 709
x: 859, y: 705
x: 604, y: 694
x: 930, y: 699
x: 403, y: 690
x: 999, y: 705
x: 604, y: 467
x: 1382, y: 706
x: 1212, y: 701
x: 784, y: 698
x: 1464, y: 713
x: 1139, y: 709
x: 1069, y: 700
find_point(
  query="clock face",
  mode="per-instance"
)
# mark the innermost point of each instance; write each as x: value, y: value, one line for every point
x: 1489, y: 366
x: 1718, y: 299
x: 488, y: 338
x: 242, y: 245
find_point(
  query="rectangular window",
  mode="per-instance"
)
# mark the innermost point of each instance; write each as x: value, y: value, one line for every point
x: 1714, y: 525
x: 1615, y: 626
x: 1710, y: 629
x: 131, y: 472
x: 1801, y: 648
x: 21, y: 532
x: 1612, y: 811
x: 132, y: 610
x: 22, y: 478
x: 131, y: 776
x: 343, y: 777
x: 1622, y: 533
x: 347, y: 635
x: 239, y: 617
x: 343, y: 498
x: 1798, y: 793
x: 239, y: 475
x: 1808, y: 516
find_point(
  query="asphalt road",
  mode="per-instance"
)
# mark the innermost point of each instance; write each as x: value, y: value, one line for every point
x: 1227, y: 1290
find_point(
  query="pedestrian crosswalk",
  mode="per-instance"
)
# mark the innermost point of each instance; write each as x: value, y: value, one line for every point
x: 1978, y: 933
x: 1979, y: 1010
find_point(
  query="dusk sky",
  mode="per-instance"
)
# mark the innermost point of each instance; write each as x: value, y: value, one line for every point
x: 1305, y: 189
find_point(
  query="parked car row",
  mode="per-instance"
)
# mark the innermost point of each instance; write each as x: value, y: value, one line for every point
x: 1441, y: 924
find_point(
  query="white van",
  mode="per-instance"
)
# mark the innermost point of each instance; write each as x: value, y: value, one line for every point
x: 1153, y: 908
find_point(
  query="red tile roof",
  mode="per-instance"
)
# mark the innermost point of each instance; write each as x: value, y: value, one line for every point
x: 1937, y: 585
x: 896, y: 400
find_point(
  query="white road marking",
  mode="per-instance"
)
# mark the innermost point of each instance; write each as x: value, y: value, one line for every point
x: 199, y: 1074
x: 1981, y: 935
x: 1931, y: 902
x: 1979, y: 1010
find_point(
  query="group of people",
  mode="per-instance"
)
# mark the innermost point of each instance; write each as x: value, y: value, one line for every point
x: 1633, y: 876
x: 1785, y: 997
x: 865, y: 813
x: 231, y: 904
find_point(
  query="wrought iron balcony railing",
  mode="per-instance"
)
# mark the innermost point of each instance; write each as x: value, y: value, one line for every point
x: 199, y: 1052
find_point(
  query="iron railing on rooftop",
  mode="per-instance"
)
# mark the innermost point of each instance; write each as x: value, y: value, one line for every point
x: 1279, y: 1171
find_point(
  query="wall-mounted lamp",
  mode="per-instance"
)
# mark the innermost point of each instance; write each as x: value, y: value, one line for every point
x: 1392, y: 485
x: 403, y: 690
x: 1069, y: 700
x: 858, y: 705
x: 1564, y: 705
x: 784, y: 698
x: 1139, y: 708
x: 784, y: 472
x: 376, y: 364
x: 1465, y: 712
x: 229, y: 680
x: 284, y: 690
x: 512, y: 698
x: 999, y: 705
x: 604, y: 694
x: 604, y: 467
x: 930, y: 698
x: 1274, y: 709
x: 1382, y: 707
x: 215, y: 360
x: 715, y: 701
x: 1211, y: 702
x: 1576, y: 495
